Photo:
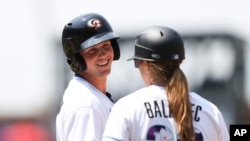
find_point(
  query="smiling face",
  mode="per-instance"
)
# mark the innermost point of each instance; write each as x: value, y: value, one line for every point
x: 98, y: 59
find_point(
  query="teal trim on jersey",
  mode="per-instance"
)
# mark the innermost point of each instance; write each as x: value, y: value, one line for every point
x: 110, y: 139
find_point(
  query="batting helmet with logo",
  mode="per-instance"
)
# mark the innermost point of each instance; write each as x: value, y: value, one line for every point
x: 83, y: 32
x: 159, y: 43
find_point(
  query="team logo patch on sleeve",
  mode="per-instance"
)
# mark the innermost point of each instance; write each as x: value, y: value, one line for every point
x: 163, y: 133
x: 160, y: 133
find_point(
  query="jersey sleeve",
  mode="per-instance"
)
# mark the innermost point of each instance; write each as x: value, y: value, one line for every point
x: 223, y: 132
x: 83, y: 124
x: 117, y: 125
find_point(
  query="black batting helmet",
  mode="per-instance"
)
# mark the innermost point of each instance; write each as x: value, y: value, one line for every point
x: 83, y: 32
x: 159, y: 43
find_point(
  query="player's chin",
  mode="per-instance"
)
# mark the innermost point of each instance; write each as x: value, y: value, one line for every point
x: 104, y: 73
x: 107, y: 70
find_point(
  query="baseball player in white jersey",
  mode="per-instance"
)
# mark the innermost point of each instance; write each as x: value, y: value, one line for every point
x: 164, y: 110
x: 90, y: 46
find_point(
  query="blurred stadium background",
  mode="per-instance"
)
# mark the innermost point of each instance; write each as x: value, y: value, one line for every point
x: 34, y: 72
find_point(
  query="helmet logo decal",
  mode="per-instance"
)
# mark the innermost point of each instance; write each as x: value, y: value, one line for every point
x: 174, y: 56
x: 94, y: 23
x: 155, y: 56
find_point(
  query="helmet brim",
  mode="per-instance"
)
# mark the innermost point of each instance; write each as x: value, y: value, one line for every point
x: 139, y: 58
x: 132, y: 58
x: 98, y: 39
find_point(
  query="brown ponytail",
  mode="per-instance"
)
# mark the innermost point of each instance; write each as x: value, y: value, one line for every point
x: 170, y: 75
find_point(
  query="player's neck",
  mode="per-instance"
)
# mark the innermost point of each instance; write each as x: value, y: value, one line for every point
x: 100, y: 84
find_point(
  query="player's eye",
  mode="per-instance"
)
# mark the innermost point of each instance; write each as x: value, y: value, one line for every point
x: 92, y: 51
x: 107, y: 47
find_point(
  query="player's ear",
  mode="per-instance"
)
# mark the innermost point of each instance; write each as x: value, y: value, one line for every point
x: 148, y: 65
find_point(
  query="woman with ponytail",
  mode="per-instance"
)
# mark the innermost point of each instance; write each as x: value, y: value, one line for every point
x: 164, y: 110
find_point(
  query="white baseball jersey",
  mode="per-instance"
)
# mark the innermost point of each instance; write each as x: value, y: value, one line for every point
x: 144, y: 116
x: 83, y: 113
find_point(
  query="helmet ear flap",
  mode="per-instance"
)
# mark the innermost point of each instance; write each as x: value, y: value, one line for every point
x: 68, y: 48
x: 116, y: 49
x: 74, y: 59
x: 79, y: 65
